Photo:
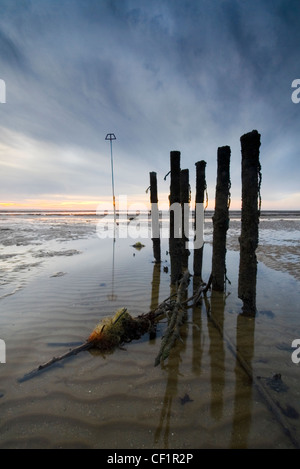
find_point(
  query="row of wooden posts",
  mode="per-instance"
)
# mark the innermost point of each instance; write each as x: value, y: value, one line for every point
x: 250, y: 212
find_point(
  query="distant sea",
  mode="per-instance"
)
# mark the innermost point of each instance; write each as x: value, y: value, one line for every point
x: 209, y: 213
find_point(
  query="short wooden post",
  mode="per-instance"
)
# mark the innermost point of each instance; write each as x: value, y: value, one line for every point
x: 221, y: 220
x: 185, y: 200
x: 199, y: 217
x: 251, y: 179
x: 155, y: 217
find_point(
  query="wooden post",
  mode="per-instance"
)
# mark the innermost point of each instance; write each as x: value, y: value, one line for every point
x: 221, y: 220
x: 251, y: 179
x: 155, y: 217
x: 185, y: 200
x: 175, y: 217
x: 174, y: 186
x: 199, y: 220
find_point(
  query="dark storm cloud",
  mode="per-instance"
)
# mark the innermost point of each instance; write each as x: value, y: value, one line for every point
x: 163, y: 75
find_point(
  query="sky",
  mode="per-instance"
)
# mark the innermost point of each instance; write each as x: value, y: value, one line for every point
x: 162, y: 75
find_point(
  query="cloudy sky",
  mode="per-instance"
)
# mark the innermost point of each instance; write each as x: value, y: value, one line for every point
x: 162, y: 75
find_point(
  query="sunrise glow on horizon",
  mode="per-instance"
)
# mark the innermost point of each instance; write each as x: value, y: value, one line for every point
x: 133, y: 202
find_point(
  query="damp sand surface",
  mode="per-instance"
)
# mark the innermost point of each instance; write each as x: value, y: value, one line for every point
x: 61, y: 274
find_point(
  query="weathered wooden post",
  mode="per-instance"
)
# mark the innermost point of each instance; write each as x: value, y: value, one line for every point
x: 185, y: 208
x: 155, y: 217
x: 199, y: 217
x: 175, y: 217
x: 251, y: 180
x: 174, y: 197
x: 221, y: 220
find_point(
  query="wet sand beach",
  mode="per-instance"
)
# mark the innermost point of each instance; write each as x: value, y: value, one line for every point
x: 58, y: 279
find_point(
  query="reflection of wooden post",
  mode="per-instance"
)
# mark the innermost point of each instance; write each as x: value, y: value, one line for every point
x: 197, y: 334
x: 185, y: 200
x: 155, y: 217
x: 221, y: 220
x: 245, y: 334
x: 154, y: 295
x: 175, y: 242
x: 217, y: 352
x: 199, y: 221
x: 250, y: 144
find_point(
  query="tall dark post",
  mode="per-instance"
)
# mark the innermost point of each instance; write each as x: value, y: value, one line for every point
x: 221, y: 220
x: 174, y: 186
x: 185, y: 200
x: 251, y: 179
x: 199, y: 220
x: 175, y: 217
x: 155, y: 217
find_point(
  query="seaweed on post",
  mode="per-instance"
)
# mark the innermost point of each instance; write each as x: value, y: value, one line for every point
x: 176, y: 320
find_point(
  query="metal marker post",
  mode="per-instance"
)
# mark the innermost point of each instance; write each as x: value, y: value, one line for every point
x: 112, y: 137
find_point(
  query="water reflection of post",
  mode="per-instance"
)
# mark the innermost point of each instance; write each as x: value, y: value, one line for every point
x: 170, y: 393
x: 113, y: 297
x: 155, y: 294
x: 174, y: 361
x: 243, y: 388
x: 197, y: 331
x: 217, y: 353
